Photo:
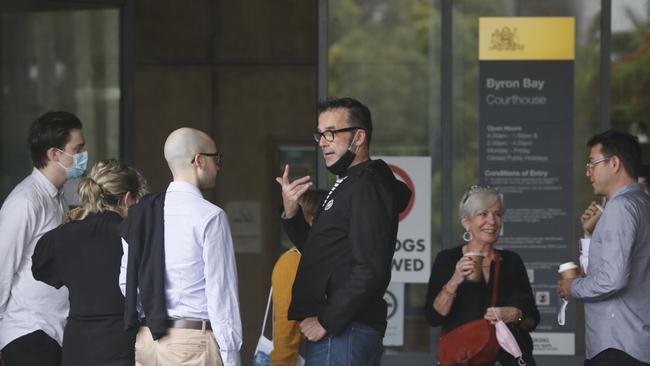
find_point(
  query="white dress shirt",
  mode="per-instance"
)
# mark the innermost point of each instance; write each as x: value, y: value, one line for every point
x: 200, y: 268
x: 34, y: 207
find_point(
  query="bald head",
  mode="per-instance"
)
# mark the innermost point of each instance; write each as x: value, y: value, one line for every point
x: 182, y: 145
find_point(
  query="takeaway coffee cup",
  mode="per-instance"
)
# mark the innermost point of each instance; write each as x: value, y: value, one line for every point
x: 477, y: 273
x: 568, y: 270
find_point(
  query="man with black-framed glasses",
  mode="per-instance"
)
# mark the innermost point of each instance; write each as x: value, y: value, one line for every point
x: 178, y: 268
x: 616, y: 284
x: 347, y: 253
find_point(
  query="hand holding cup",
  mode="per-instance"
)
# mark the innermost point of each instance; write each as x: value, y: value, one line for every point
x: 568, y: 271
x: 464, y: 268
x: 477, y: 271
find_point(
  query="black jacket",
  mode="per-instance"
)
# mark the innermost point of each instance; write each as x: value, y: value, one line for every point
x: 144, y: 231
x: 346, y: 256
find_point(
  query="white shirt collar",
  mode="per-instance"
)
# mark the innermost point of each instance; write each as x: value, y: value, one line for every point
x: 45, y: 183
x: 180, y: 186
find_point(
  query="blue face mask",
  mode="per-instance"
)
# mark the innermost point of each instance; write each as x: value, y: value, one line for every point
x: 80, y: 161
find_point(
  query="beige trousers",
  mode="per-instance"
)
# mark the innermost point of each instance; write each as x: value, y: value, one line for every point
x: 188, y: 347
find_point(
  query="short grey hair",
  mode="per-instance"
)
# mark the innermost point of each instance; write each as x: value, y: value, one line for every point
x: 476, y: 199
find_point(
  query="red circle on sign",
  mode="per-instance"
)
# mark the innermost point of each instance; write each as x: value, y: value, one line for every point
x: 409, y: 183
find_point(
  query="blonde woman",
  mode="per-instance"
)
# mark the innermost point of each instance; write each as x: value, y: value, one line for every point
x: 84, y: 255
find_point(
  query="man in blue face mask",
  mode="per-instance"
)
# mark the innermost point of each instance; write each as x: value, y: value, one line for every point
x: 32, y: 314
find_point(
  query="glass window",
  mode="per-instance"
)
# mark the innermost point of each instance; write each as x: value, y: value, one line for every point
x: 630, y: 78
x: 387, y: 53
x: 58, y: 60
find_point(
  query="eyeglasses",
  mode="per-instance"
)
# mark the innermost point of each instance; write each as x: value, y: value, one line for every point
x: 591, y: 164
x: 218, y: 157
x: 330, y: 134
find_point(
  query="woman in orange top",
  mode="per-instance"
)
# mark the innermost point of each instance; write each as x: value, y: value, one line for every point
x: 286, y: 334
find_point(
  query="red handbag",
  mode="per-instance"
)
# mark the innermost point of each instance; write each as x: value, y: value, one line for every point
x: 473, y: 343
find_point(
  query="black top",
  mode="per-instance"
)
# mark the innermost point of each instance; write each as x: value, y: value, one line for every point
x: 473, y: 298
x: 346, y: 256
x: 85, y: 257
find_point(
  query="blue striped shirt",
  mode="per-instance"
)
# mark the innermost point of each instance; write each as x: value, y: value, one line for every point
x: 616, y: 289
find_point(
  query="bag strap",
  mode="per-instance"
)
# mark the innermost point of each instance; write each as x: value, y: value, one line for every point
x: 495, y: 283
x: 266, y: 313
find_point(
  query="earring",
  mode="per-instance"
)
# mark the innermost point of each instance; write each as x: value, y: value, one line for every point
x: 467, y: 236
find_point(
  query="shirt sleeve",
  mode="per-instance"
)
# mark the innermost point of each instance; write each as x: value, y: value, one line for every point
x: 286, y: 333
x: 17, y: 221
x: 609, y: 253
x: 221, y: 288
x: 45, y: 267
x: 371, y: 234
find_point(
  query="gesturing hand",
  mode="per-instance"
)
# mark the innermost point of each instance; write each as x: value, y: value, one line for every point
x: 291, y: 191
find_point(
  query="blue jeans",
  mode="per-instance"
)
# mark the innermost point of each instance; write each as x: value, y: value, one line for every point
x: 359, y: 345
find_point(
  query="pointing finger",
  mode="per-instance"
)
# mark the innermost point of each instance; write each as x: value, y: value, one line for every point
x: 285, y: 176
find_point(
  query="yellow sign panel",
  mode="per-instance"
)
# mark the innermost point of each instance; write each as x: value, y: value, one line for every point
x: 526, y: 38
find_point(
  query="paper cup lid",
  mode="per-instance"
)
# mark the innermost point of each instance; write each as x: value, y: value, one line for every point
x: 473, y: 254
x: 567, y: 266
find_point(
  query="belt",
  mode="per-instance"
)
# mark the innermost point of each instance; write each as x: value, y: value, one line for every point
x: 184, y: 323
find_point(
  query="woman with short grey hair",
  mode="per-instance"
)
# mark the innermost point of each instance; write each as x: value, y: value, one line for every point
x: 462, y: 278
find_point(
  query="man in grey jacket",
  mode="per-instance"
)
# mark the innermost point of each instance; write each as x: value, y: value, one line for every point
x: 615, y: 288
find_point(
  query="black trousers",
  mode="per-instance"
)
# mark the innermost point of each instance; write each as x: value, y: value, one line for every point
x: 612, y: 356
x: 33, y: 349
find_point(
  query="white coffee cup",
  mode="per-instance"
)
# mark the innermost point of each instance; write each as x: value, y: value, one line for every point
x: 569, y: 270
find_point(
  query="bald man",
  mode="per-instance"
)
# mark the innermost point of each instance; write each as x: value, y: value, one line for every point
x: 178, y: 268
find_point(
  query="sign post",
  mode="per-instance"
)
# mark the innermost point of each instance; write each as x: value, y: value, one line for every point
x: 526, y: 151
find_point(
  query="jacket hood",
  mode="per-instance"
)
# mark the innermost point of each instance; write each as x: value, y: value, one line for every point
x: 399, y: 189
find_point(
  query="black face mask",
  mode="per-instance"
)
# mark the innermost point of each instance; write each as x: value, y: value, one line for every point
x: 341, y: 166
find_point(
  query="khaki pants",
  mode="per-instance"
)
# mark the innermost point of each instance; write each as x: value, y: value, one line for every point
x: 190, y: 347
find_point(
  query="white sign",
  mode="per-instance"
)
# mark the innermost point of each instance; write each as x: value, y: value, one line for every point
x: 554, y: 343
x: 394, y: 297
x: 245, y: 225
x: 412, y: 260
